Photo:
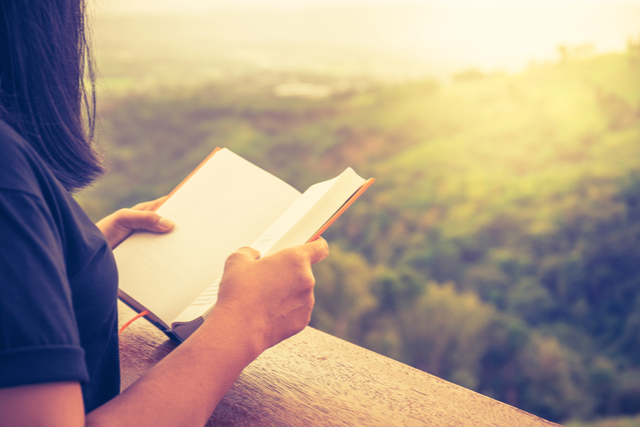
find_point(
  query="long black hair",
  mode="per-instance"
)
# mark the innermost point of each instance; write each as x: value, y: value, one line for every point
x: 47, y: 84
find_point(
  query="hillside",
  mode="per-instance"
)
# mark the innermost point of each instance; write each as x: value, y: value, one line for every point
x: 500, y: 246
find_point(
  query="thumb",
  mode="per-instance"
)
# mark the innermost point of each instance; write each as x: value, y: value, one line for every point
x: 143, y: 220
x: 316, y: 250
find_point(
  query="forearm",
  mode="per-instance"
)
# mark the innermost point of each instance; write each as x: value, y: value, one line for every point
x: 185, y: 387
x: 261, y: 302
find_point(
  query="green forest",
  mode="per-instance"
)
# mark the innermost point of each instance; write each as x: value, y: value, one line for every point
x: 499, y: 248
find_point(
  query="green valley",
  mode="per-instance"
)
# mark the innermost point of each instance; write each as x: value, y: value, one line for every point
x: 500, y: 246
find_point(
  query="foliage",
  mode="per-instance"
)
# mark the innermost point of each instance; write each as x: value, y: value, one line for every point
x: 500, y: 246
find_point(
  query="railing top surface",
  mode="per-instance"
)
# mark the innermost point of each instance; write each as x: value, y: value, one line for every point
x: 315, y: 379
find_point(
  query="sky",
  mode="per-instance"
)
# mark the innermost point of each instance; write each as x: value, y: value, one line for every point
x: 486, y: 34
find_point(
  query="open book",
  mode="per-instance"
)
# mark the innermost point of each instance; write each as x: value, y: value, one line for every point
x: 225, y: 204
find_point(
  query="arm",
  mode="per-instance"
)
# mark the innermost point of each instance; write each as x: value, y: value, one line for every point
x: 182, y: 390
x: 261, y: 302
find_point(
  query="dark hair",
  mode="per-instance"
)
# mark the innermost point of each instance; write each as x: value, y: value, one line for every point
x: 44, y: 55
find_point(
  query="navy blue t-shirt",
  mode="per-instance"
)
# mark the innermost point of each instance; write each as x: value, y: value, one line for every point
x: 58, y: 282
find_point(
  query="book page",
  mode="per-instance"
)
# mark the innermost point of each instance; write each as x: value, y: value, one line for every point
x: 292, y: 215
x: 201, y: 305
x: 225, y: 205
x: 295, y: 226
x: 309, y: 213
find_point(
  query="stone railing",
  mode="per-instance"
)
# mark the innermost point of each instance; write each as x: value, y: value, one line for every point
x: 315, y: 379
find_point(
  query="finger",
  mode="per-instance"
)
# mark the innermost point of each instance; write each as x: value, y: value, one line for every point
x: 316, y: 250
x: 249, y: 252
x: 144, y: 220
x: 242, y: 254
x: 151, y: 205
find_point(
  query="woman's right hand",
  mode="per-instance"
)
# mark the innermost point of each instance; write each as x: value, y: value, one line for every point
x: 271, y: 296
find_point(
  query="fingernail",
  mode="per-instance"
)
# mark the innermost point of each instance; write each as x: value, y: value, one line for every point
x: 165, y: 223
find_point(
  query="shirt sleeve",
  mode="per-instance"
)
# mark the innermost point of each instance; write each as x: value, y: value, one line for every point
x: 39, y: 340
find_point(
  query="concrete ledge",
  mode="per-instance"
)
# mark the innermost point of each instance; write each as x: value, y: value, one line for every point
x: 315, y: 379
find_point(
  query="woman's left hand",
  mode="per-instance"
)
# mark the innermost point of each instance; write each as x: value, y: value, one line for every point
x: 120, y: 224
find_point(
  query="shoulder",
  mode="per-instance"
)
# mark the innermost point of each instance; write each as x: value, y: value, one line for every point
x: 21, y: 169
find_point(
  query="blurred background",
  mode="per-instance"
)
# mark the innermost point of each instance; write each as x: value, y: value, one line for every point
x: 500, y: 246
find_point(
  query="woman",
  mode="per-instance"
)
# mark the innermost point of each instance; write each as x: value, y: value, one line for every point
x: 58, y: 280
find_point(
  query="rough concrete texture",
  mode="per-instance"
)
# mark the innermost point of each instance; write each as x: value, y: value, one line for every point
x: 315, y: 379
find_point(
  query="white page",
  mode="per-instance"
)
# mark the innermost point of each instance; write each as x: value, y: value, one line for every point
x: 225, y: 205
x: 271, y: 235
x: 295, y: 226
x: 202, y: 304
x: 310, y: 212
x: 292, y: 215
